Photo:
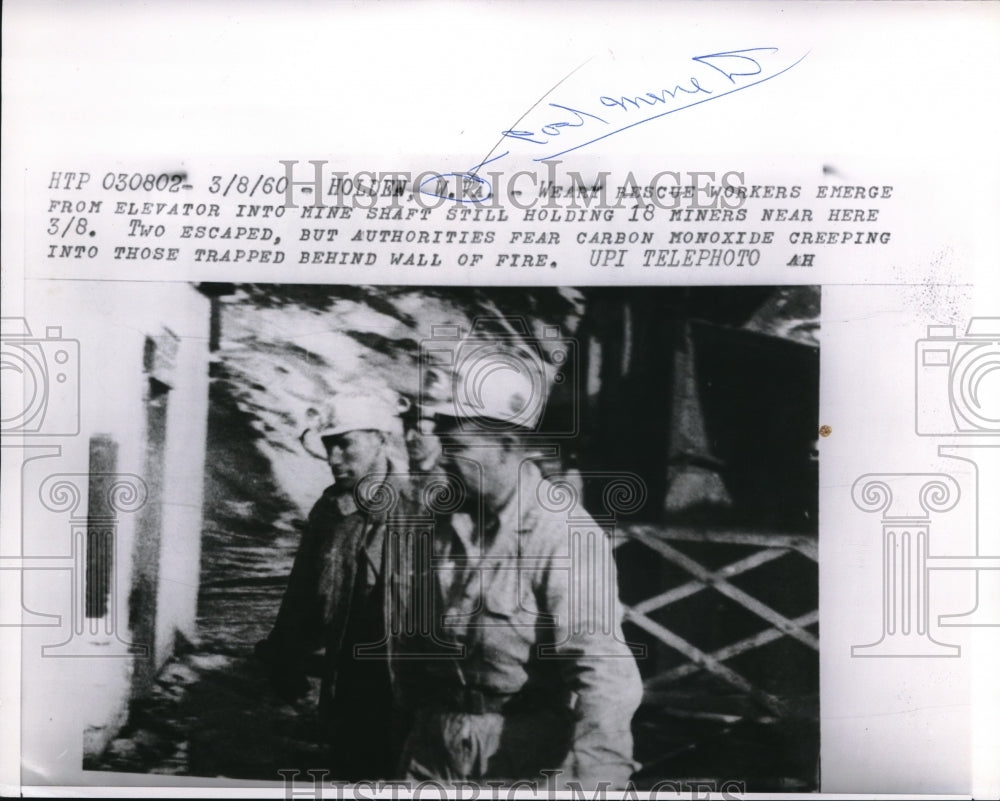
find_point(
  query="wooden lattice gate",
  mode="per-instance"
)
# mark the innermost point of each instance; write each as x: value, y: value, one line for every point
x: 758, y: 550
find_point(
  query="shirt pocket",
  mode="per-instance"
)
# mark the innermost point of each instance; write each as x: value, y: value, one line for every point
x: 510, y: 608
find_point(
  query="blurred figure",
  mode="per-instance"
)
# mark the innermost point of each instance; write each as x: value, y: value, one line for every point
x: 334, y: 594
x: 422, y: 445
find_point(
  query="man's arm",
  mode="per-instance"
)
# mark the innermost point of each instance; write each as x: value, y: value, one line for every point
x: 600, y: 672
x: 298, y: 629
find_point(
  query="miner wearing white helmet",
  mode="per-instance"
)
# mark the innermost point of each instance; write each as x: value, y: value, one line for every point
x: 334, y: 596
x: 520, y: 670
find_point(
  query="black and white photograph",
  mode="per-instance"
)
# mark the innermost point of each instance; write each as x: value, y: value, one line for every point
x: 617, y: 494
x: 485, y: 399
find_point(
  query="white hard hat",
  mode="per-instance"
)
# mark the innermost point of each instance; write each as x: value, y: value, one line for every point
x: 357, y: 412
x: 489, y: 381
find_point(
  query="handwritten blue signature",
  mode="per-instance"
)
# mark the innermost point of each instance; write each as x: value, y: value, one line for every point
x: 741, y: 68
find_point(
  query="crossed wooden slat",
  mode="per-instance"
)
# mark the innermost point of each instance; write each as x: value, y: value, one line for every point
x: 772, y: 547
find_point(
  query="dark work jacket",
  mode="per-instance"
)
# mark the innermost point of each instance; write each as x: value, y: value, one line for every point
x: 334, y: 600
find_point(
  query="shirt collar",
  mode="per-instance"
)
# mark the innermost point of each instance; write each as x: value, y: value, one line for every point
x: 516, y: 515
x: 346, y: 504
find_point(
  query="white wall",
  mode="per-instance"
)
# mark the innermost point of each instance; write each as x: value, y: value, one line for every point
x: 111, y: 321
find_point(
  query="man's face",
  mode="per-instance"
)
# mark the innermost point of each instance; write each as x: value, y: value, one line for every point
x: 422, y: 445
x: 353, y: 455
x: 482, y: 462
